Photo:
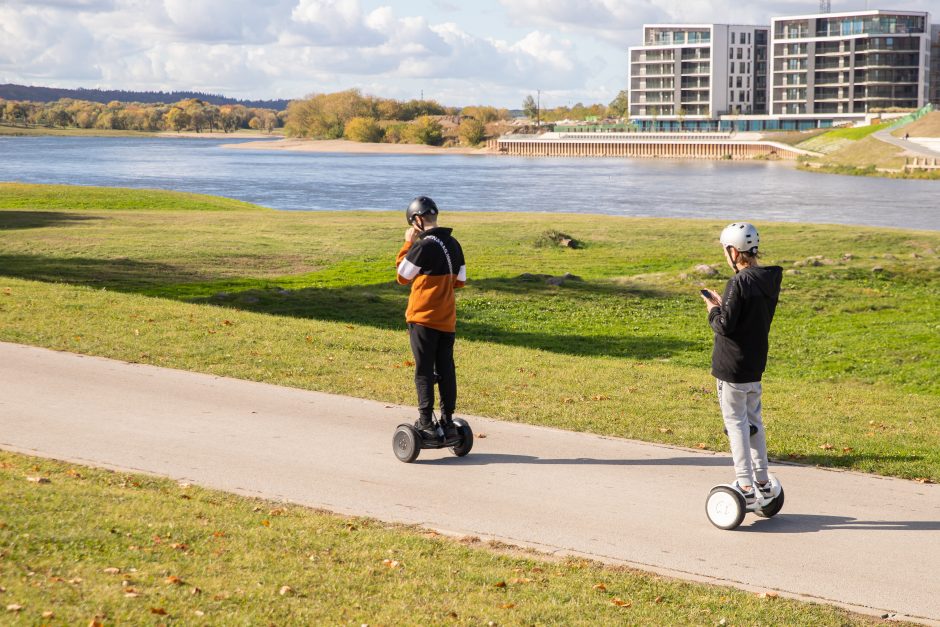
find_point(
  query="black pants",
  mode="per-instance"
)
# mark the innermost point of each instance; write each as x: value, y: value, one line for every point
x: 433, y: 351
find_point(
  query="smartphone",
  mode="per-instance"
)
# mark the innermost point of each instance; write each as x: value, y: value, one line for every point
x: 706, y: 294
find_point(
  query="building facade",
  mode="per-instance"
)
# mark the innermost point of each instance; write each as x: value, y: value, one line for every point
x: 849, y: 63
x: 935, y: 64
x: 693, y: 73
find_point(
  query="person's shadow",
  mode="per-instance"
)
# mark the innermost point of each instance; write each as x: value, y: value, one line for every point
x: 814, y: 523
x: 485, y: 459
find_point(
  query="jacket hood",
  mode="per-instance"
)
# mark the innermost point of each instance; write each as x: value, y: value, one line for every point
x: 767, y: 279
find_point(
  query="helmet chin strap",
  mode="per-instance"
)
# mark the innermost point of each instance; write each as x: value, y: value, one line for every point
x: 734, y: 264
x: 421, y: 226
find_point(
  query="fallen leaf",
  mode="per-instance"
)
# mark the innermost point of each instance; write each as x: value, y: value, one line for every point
x: 665, y: 430
x: 922, y: 480
x: 76, y: 580
x: 131, y: 595
x: 179, y: 546
x: 94, y: 623
x: 73, y: 473
x: 391, y: 563
x: 276, y: 512
x: 158, y: 610
x: 13, y: 607
x: 620, y: 602
x: 195, y: 591
x: 701, y: 445
x: 48, y: 614
x: 265, y: 523
x: 827, y: 447
x: 658, y: 600
x: 199, y: 613
x: 112, y: 571
x: 600, y: 397
x: 408, y: 363
x: 218, y: 534
x: 285, y: 590
x: 768, y: 595
x: 601, y: 587
x: 481, y: 436
x: 847, y: 449
x: 507, y: 606
x: 173, y: 580
x: 519, y: 580
x: 500, y: 584
x: 38, y: 479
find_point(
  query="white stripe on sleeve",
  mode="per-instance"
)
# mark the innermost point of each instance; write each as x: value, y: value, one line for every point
x: 462, y: 275
x: 408, y: 270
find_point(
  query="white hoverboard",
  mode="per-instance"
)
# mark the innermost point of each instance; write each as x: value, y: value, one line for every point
x: 726, y: 506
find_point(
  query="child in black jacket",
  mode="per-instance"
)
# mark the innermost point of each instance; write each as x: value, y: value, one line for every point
x: 741, y: 320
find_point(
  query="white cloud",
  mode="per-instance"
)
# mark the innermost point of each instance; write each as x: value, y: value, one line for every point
x: 268, y: 48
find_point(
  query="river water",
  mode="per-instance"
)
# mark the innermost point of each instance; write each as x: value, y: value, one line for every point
x: 755, y: 191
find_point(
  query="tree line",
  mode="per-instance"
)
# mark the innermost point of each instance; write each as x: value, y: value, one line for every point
x: 190, y: 114
x: 32, y: 93
x: 618, y: 108
x: 364, y: 118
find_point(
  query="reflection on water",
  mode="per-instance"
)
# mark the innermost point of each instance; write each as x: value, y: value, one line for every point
x: 296, y: 181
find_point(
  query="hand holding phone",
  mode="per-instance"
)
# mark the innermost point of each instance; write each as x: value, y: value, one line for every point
x: 710, y: 298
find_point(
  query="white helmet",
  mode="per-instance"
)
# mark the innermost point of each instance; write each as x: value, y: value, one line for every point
x: 742, y: 236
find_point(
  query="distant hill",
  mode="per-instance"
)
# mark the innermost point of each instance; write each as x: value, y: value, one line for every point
x: 51, y: 94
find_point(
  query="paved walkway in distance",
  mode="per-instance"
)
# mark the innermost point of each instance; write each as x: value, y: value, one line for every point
x: 910, y: 148
x: 867, y: 542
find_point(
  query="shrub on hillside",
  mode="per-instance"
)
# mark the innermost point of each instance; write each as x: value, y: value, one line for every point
x: 472, y: 132
x: 426, y: 130
x: 364, y: 130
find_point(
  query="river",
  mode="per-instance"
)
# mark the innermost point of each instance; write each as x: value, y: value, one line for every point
x: 755, y: 191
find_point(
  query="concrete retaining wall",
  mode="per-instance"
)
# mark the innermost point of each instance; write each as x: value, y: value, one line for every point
x: 686, y: 149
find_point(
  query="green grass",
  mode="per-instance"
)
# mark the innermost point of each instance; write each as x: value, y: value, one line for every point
x: 36, y: 198
x: 98, y: 546
x: 308, y: 300
x: 856, y: 133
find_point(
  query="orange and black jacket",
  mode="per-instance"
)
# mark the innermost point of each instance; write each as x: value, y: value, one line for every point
x: 434, y: 265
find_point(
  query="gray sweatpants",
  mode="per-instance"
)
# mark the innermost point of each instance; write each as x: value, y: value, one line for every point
x: 741, y: 407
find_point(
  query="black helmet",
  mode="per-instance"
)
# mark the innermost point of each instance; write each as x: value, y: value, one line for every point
x: 420, y: 206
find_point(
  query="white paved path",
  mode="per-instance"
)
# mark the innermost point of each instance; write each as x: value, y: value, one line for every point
x: 867, y: 542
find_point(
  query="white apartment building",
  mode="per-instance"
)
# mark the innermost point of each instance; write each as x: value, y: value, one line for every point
x: 849, y: 63
x: 935, y: 64
x: 693, y: 73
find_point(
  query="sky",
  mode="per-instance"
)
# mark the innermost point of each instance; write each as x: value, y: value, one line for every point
x: 457, y: 52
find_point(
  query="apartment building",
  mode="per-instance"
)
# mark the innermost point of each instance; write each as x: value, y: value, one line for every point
x: 690, y: 74
x: 935, y: 64
x: 849, y: 63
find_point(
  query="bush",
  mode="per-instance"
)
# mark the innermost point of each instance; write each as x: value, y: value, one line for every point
x: 364, y: 130
x: 426, y: 130
x: 396, y: 133
x: 472, y: 131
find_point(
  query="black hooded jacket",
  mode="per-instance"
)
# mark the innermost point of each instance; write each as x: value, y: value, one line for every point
x: 742, y: 324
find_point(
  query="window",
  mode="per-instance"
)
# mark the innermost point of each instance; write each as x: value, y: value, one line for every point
x: 740, y: 53
x: 741, y: 67
x: 739, y: 82
x: 732, y: 36
x: 741, y: 96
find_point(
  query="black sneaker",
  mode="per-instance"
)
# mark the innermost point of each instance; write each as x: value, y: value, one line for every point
x: 426, y: 429
x: 450, y: 429
x: 766, y: 490
x: 750, y: 496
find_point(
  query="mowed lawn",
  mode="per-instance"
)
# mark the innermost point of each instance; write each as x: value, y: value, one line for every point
x: 309, y: 300
x: 80, y: 546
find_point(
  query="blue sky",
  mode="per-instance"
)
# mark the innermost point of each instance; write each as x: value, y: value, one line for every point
x: 458, y: 52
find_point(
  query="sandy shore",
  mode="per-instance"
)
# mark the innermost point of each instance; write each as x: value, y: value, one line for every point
x: 216, y: 135
x: 342, y: 145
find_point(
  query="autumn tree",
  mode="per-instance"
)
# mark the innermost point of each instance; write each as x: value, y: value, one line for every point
x: 364, y: 130
x: 472, y: 131
x: 426, y: 130
x: 619, y: 107
x: 530, y: 108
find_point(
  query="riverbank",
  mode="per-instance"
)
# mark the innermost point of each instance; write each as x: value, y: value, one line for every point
x: 351, y: 147
x: 44, y: 131
x: 305, y: 300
